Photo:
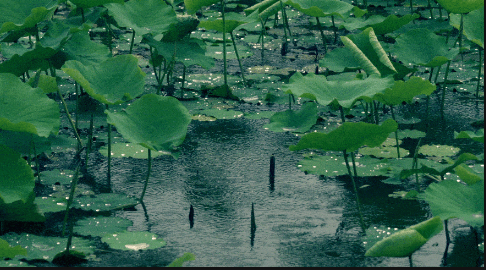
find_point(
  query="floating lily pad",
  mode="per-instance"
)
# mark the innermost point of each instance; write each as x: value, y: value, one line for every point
x: 439, y: 150
x: 56, y: 176
x: 386, y: 150
x: 411, y: 133
x: 450, y: 199
x: 216, y: 51
x: 133, y: 240
x: 222, y: 113
x: 321, y: 8
x: 294, y: 121
x: 104, y: 202
x: 259, y: 115
x: 478, y: 136
x: 100, y: 226
x: 122, y: 149
x: 405, y: 91
x: 46, y: 247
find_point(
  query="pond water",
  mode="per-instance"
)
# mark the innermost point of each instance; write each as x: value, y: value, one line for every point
x: 305, y: 220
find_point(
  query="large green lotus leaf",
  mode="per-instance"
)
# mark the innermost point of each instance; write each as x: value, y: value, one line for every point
x: 121, y: 150
x: 184, y: 258
x: 473, y: 25
x: 21, y: 211
x: 440, y: 170
x: 346, y: 93
x: 423, y: 47
x: 387, y: 149
x: 339, y: 60
x: 321, y: 8
x: 261, y: 6
x: 194, y: 5
x: 104, y: 202
x: 450, y: 199
x: 392, y: 23
x: 352, y: 23
x: 232, y: 21
x: 23, y: 142
x: 156, y: 122
x: 22, y: 14
x: 56, y: 176
x: 294, y: 121
x: 133, y: 240
x: 93, y: 3
x: 411, y: 133
x: 30, y: 59
x: 406, y: 91
x: 187, y: 51
x: 81, y: 48
x: 26, y: 109
x: 114, y: 81
x: 405, y: 242
x: 478, y: 136
x: 7, y: 251
x: 461, y: 6
x: 184, y: 26
x: 368, y: 51
x: 46, y: 247
x: 100, y: 226
x: 468, y: 175
x: 349, y: 136
x: 47, y: 83
x: 143, y: 16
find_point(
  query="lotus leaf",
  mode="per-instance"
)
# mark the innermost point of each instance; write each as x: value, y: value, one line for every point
x: 450, y: 199
x: 352, y: 23
x: 7, y: 251
x: 438, y: 150
x: 421, y: 46
x: 104, y: 202
x: 143, y: 16
x: 184, y: 25
x: 294, y: 121
x: 56, y: 176
x: 473, y: 25
x: 93, y: 3
x: 346, y: 93
x: 216, y: 51
x: 478, y: 136
x: 47, y: 83
x: 405, y: 242
x: 339, y: 60
x: 81, y: 48
x: 120, y: 150
x: 368, y: 51
x: 32, y: 59
x: 232, y: 21
x: 133, y: 240
x: 405, y: 91
x: 393, y: 23
x: 114, y: 81
x: 23, y: 142
x: 349, y: 136
x: 321, y: 8
x: 100, y: 226
x: 461, y: 6
x: 222, y: 113
x: 16, y: 177
x: 46, y: 247
x: 21, y: 14
x: 411, y: 133
x: 21, y: 211
x: 184, y: 258
x: 156, y: 122
x: 468, y: 175
x: 194, y: 5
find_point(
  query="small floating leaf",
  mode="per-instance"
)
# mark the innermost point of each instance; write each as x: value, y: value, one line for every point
x: 439, y: 150
x: 134, y: 150
x: 294, y: 121
x: 100, y: 226
x: 133, y: 240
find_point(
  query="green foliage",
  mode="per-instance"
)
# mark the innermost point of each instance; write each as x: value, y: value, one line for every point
x: 461, y: 6
x: 93, y: 3
x: 346, y: 93
x: 294, y: 121
x: 194, y: 5
x: 7, y: 251
x: 16, y: 177
x: 81, y: 48
x: 393, y: 23
x: 143, y: 16
x: 22, y: 14
x: 121, y: 150
x: 100, y: 226
x: 405, y: 242
x: 405, y: 91
x: 114, y: 81
x: 155, y: 122
x: 133, y: 240
x: 450, y: 199
x: 321, y: 8
x: 478, y: 136
x: 349, y: 136
x: 181, y: 260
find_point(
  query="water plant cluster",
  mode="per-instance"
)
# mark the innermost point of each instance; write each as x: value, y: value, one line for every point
x: 139, y: 68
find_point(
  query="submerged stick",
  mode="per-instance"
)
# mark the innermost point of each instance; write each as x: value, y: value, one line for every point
x: 191, y: 217
x: 252, y: 225
x: 272, y: 173
x: 149, y: 154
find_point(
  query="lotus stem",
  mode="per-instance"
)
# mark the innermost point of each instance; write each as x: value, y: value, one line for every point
x: 410, y: 260
x: 262, y: 35
x: 149, y: 167
x: 429, y: 6
x: 131, y: 43
x: 285, y: 19
x: 183, y: 81
x: 225, y: 75
x: 324, y: 40
x: 335, y: 28
x: 415, y: 164
x: 108, y: 176
x: 71, y: 198
x: 479, y: 73
x: 442, y: 101
x: 396, y: 132
x: 80, y: 143
x: 90, y: 140
x: 238, y: 57
x: 411, y: 6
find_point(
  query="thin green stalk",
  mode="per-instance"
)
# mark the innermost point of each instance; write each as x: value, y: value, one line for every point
x: 225, y: 75
x: 377, y: 117
x: 354, y: 164
x: 479, y: 73
x: 262, y: 34
x: 415, y: 164
x: 396, y: 132
x: 90, y: 140
x: 411, y: 6
x: 238, y: 57
x: 149, y: 167
x: 324, y: 40
x: 131, y: 43
x: 80, y: 143
x: 285, y: 19
x: 442, y: 100
x: 70, y: 199
x: 410, y: 260
x: 429, y: 6
x: 156, y: 73
x: 108, y: 174
x: 334, y: 28
x: 183, y: 81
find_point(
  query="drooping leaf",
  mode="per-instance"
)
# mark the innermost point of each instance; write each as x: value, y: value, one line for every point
x: 143, y: 16
x: 295, y: 121
x: 27, y: 59
x: 100, y: 226
x: 461, y: 6
x: 321, y: 8
x: 339, y: 60
x: 232, y: 21
x: 450, y: 199
x: 133, y: 240
x: 405, y: 242
x: 349, y: 136
x: 24, y: 142
x: 369, y: 53
x: 7, y: 251
x: 184, y: 25
x: 21, y: 14
x: 16, y: 177
x: 352, y: 23
x: 48, y: 84
x: 468, y: 175
x: 155, y: 122
x: 478, y: 136
x: 392, y: 23
x: 423, y: 47
x: 346, y: 93
x: 81, y: 48
x: 46, y: 247
x: 405, y: 91
x: 194, y: 5
x: 182, y: 259
x: 114, y: 81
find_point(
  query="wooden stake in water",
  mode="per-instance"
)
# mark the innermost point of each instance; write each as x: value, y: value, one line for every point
x: 191, y: 217
x: 252, y: 225
x: 272, y: 173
